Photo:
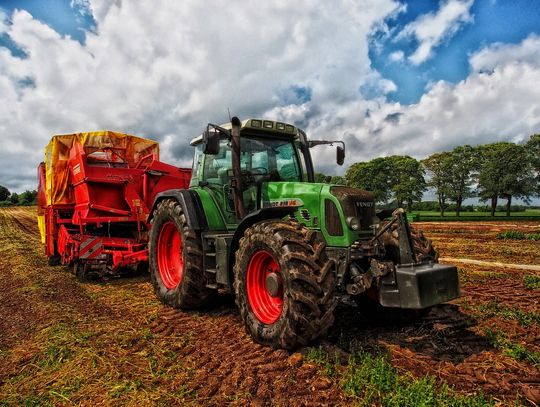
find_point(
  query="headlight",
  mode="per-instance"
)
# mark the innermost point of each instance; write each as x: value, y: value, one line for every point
x: 353, y: 223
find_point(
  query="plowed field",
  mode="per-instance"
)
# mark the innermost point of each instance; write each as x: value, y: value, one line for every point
x: 113, y: 343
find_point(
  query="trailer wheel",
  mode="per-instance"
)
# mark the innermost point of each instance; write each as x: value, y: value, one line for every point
x: 55, y: 260
x: 284, y: 284
x: 175, y: 259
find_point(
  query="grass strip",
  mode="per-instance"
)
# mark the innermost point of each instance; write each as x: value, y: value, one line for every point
x: 517, y: 235
x: 515, y: 350
x: 531, y: 281
x: 371, y: 380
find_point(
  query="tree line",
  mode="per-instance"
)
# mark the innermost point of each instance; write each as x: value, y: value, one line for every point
x: 24, y: 198
x: 491, y: 172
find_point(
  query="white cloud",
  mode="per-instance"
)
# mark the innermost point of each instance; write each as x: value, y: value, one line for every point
x: 164, y: 71
x: 396, y: 56
x: 431, y: 29
x: 165, y: 68
x: 488, y: 58
x: 501, y: 104
x: 83, y: 7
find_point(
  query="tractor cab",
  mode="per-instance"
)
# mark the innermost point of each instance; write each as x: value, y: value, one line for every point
x: 269, y: 152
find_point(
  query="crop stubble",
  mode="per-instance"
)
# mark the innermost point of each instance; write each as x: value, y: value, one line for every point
x: 113, y: 342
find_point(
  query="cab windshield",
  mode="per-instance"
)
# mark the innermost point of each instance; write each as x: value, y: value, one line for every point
x: 259, y: 156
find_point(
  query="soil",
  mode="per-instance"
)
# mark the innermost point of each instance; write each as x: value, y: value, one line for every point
x: 113, y: 342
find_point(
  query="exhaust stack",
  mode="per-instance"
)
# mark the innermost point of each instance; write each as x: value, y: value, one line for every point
x: 236, y: 183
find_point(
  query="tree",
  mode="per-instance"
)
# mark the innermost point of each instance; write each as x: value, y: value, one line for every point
x: 4, y: 193
x: 28, y: 197
x: 320, y: 177
x: 439, y: 167
x: 518, y: 181
x: 14, y: 198
x: 372, y: 176
x: 505, y: 172
x: 533, y: 149
x: 407, y: 180
x: 463, y: 162
x: 338, y: 180
x: 399, y: 177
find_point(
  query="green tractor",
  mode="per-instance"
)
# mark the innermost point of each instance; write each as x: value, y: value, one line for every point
x: 254, y: 223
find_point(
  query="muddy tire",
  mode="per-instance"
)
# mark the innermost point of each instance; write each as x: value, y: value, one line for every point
x: 284, y: 284
x: 176, y: 259
x: 423, y: 250
x: 422, y: 246
x: 55, y: 260
x: 80, y: 273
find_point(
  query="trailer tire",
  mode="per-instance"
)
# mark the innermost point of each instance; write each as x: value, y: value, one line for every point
x: 297, y: 305
x: 80, y: 272
x: 176, y: 259
x: 55, y: 260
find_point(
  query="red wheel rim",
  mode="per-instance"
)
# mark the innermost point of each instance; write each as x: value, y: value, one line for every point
x: 169, y: 255
x: 267, y: 308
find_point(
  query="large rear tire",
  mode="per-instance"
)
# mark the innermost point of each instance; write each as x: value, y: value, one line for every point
x: 175, y: 259
x: 284, y: 284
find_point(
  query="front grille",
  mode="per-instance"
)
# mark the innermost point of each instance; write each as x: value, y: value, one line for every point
x: 357, y: 203
x: 332, y: 219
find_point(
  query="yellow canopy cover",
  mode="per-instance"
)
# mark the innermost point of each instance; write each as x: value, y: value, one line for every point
x: 58, y: 190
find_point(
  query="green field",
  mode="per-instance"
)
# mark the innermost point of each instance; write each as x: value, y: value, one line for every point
x: 529, y: 214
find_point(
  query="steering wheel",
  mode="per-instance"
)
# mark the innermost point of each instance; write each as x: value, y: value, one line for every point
x: 259, y: 171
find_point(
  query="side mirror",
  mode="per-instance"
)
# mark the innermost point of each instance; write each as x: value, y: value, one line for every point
x: 210, y: 142
x: 340, y: 155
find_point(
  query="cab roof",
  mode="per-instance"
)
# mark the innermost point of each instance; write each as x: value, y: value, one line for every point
x: 259, y: 126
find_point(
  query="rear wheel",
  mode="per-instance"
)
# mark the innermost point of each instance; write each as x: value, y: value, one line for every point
x: 175, y: 259
x: 284, y: 284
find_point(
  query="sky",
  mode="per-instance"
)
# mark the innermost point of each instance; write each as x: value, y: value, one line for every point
x: 386, y: 76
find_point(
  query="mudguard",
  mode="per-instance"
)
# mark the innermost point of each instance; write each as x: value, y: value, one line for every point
x: 191, y: 203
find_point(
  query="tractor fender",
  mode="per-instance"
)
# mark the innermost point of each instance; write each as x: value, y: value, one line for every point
x: 250, y: 220
x: 191, y: 204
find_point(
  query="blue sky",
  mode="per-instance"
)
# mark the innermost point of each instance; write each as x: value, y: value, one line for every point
x: 64, y: 16
x: 386, y: 76
x: 508, y: 21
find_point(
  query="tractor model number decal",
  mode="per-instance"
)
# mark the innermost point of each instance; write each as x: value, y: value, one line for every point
x: 284, y: 202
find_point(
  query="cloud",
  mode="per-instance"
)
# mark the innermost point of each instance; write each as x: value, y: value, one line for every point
x: 497, y: 105
x: 396, y: 56
x: 431, y: 29
x: 82, y: 7
x: 166, y: 76
x: 528, y: 51
x: 165, y: 69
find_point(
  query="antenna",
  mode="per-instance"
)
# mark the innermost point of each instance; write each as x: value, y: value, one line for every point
x: 229, y: 111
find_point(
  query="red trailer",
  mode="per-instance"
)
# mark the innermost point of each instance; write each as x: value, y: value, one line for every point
x: 95, y: 195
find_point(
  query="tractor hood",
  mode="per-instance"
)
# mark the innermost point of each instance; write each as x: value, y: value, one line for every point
x: 326, y: 208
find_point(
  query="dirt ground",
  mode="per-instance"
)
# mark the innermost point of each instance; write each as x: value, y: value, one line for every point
x: 112, y: 342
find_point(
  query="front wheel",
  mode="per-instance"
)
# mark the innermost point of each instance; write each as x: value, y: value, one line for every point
x: 284, y: 284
